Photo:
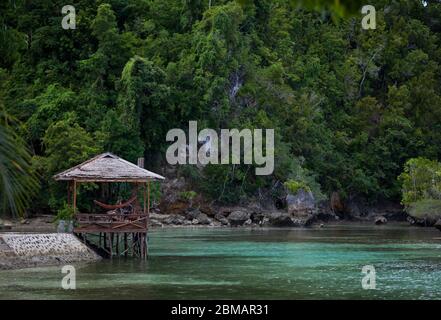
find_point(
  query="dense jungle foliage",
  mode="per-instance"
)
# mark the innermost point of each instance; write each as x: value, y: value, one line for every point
x: 349, y: 106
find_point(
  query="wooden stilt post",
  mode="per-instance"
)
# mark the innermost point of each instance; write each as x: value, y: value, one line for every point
x: 135, y: 244
x: 117, y: 244
x: 125, y: 245
x: 138, y: 251
x: 132, y: 244
x: 146, y: 246
x: 144, y: 241
x: 144, y: 199
x: 141, y: 239
x: 113, y: 241
x: 148, y: 219
x: 74, y: 205
x: 110, y: 245
x: 69, y: 189
x: 141, y: 248
x: 148, y: 196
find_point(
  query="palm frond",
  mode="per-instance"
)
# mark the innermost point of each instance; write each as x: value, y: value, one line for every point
x: 17, y: 181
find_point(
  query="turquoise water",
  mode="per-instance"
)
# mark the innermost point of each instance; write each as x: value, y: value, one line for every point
x: 255, y: 264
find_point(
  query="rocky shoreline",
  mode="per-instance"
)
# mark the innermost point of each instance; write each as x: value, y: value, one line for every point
x: 286, y: 208
x: 241, y: 217
x: 254, y: 216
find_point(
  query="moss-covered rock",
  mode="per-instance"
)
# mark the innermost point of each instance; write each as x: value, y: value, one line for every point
x: 426, y: 212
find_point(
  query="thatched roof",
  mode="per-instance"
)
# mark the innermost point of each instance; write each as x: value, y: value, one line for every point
x: 107, y: 167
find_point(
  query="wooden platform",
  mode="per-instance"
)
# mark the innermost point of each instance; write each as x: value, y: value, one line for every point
x: 118, y: 234
x: 110, y: 223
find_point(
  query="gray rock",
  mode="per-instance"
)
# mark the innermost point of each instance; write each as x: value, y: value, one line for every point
x: 174, y: 220
x: 380, y: 220
x: 193, y: 213
x: 238, y: 217
x: 216, y: 223
x: 392, y: 211
x: 302, y: 222
x: 221, y: 218
x: 325, y: 212
x: 301, y: 206
x: 61, y: 228
x: 257, y: 218
x: 203, y: 218
x: 438, y: 224
x: 155, y: 223
x: 264, y: 222
x: 300, y: 202
x: 356, y: 208
x: 70, y: 227
x: 280, y: 219
x: 255, y: 207
x: 159, y: 217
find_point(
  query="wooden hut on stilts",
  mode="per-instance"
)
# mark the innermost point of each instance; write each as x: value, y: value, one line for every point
x: 122, y: 230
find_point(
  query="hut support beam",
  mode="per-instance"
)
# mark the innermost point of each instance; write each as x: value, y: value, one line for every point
x: 110, y: 245
x: 74, y: 196
x: 144, y: 199
x: 148, y: 196
x: 69, y: 191
x: 125, y: 245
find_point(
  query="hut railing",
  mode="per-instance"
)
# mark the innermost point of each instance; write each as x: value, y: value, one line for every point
x: 87, y: 222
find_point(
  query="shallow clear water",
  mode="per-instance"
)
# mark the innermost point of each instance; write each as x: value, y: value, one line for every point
x: 255, y: 264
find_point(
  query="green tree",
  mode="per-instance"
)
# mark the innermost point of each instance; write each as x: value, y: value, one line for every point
x: 421, y: 189
x: 66, y: 145
x: 421, y: 179
x: 105, y: 65
x: 143, y: 102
